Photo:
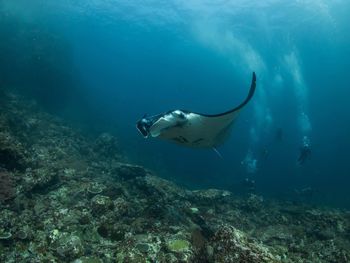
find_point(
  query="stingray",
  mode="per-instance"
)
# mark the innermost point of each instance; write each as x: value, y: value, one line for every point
x: 193, y: 129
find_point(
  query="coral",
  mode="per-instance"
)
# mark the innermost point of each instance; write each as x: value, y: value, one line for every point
x: 101, y: 204
x: 95, y: 188
x: 24, y: 233
x: 146, y: 248
x: 5, y: 235
x: 231, y: 245
x: 88, y: 260
x: 66, y: 246
x: 178, y: 245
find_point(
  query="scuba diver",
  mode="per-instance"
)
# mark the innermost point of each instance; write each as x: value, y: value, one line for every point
x: 305, y: 151
x: 250, y: 163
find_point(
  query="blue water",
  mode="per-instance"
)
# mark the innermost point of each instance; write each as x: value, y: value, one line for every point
x: 104, y: 64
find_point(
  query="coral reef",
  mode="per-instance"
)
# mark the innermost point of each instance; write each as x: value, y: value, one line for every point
x: 77, y: 199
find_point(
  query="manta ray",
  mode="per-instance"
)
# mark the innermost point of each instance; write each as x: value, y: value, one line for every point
x: 193, y: 129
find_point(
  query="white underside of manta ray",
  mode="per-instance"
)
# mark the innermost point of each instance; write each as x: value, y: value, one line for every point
x: 193, y: 129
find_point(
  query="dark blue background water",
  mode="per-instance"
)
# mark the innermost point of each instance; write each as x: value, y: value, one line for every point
x: 106, y: 63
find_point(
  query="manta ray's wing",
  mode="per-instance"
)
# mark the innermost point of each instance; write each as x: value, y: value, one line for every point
x: 203, y: 130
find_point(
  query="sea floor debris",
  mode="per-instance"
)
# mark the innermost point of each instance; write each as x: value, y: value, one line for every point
x: 72, y: 199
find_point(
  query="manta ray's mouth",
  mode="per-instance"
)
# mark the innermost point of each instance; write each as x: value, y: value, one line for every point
x: 142, y: 127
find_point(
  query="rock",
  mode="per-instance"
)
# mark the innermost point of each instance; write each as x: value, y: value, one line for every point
x: 276, y: 233
x: 68, y: 246
x: 159, y: 188
x: 210, y: 195
x: 231, y: 245
x: 100, y: 204
x: 143, y: 247
x: 129, y: 171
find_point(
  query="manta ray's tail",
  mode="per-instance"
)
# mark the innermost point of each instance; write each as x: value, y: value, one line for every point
x: 250, y: 94
x: 252, y: 89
